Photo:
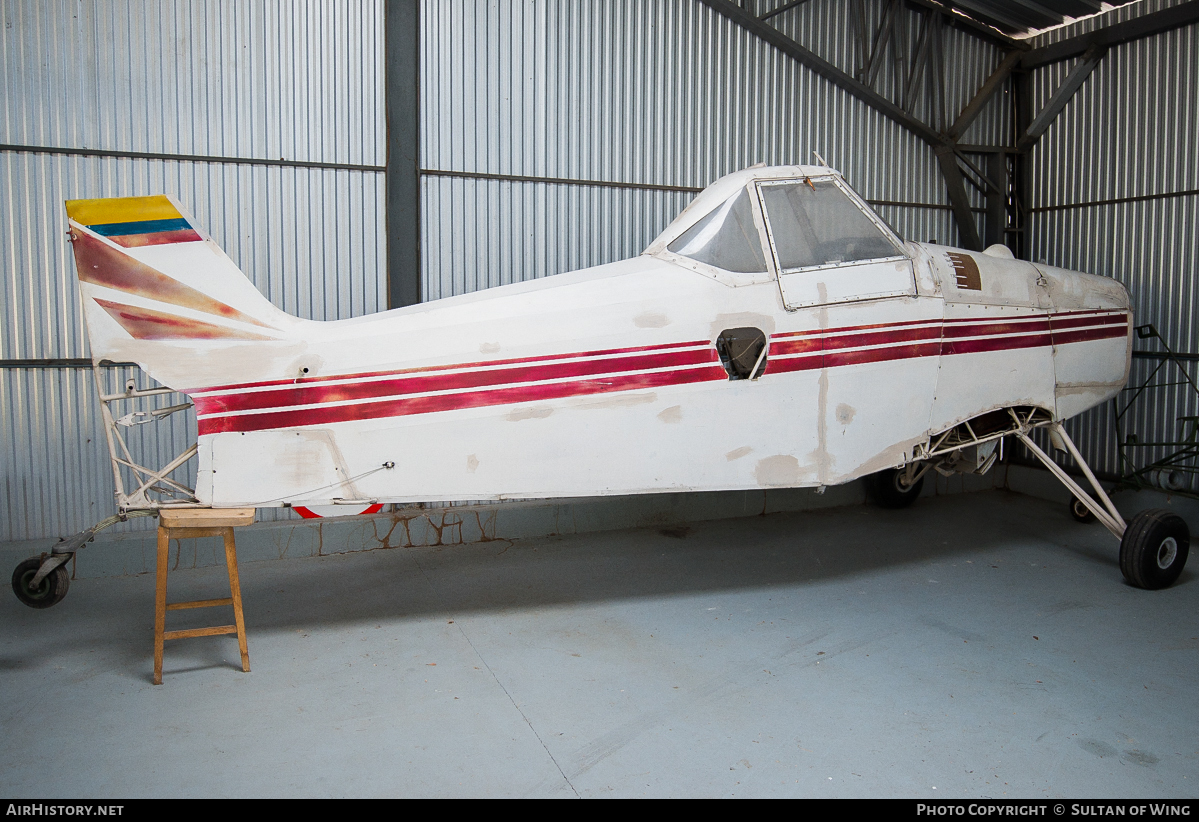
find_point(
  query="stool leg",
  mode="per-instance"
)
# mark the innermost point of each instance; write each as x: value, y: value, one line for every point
x: 235, y: 590
x: 160, y: 601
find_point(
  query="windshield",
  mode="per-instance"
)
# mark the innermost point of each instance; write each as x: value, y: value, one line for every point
x: 727, y: 238
x: 814, y: 222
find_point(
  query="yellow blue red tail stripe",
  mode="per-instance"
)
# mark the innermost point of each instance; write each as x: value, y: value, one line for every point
x: 132, y: 222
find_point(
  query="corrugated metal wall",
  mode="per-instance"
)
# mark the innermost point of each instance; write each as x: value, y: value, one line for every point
x: 638, y: 93
x: 1130, y: 133
x: 649, y: 92
x: 299, y: 82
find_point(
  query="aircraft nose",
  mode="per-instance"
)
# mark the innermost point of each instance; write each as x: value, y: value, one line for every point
x: 1071, y: 290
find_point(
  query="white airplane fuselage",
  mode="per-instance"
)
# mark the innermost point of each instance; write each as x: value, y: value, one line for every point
x: 608, y: 380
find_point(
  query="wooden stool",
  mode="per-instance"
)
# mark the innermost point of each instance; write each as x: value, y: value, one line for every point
x: 187, y: 523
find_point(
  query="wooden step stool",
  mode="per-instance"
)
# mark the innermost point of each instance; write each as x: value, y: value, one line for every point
x: 188, y: 523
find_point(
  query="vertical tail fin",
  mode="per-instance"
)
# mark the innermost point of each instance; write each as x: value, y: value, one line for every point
x: 148, y: 273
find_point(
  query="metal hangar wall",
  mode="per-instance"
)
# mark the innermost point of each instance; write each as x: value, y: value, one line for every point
x: 351, y: 156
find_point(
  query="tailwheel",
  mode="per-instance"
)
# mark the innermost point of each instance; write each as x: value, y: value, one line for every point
x: 890, y: 488
x: 49, y: 591
x: 1154, y: 549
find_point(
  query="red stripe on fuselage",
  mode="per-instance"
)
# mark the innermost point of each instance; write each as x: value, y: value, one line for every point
x: 312, y: 393
x: 452, y: 367
x: 881, y: 337
x: 996, y: 343
x: 473, y: 385
x: 1078, y: 322
x: 1014, y: 325
x: 401, y: 407
x: 1089, y: 335
x: 834, y: 359
x: 802, y: 345
x: 809, y: 363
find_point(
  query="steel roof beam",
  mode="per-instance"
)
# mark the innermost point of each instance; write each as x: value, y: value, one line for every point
x: 825, y: 69
x: 963, y: 214
x: 944, y: 147
x: 1184, y: 14
x: 1081, y: 71
x: 785, y: 7
x: 984, y: 95
x: 958, y: 18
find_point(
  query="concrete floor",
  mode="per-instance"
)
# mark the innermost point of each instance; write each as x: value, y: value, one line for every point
x: 979, y: 645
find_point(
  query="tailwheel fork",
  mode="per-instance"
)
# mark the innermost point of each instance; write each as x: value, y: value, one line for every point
x: 42, y: 581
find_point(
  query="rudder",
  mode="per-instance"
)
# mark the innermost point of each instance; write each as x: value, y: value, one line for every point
x: 148, y: 273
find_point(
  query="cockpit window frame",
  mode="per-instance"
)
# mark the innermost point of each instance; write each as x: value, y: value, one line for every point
x: 730, y: 278
x: 901, y: 252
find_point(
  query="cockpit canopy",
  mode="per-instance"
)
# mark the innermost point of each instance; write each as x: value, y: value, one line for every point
x: 726, y: 238
x: 798, y: 217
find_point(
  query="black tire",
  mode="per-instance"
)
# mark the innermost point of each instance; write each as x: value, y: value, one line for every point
x: 1080, y: 512
x: 49, y: 591
x: 1154, y: 549
x: 888, y: 490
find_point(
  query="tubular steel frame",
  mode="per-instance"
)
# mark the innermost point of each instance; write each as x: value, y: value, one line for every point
x: 1184, y: 454
x: 145, y: 481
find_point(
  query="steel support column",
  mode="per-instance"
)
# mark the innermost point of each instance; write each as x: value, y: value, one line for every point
x: 1021, y: 243
x: 401, y: 39
x: 995, y: 224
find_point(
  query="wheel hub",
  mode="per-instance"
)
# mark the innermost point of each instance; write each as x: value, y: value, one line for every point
x: 1166, y: 552
x: 40, y: 591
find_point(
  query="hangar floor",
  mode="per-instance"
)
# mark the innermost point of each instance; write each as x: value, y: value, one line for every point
x: 979, y: 645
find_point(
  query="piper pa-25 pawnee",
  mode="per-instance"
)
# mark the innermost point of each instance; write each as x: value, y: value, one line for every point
x: 776, y: 335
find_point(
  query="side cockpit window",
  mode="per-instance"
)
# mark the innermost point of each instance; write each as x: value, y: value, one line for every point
x: 727, y: 238
x: 814, y: 223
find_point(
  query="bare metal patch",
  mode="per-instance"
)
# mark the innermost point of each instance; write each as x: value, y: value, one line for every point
x: 821, y: 456
x: 651, y: 319
x: 306, y: 458
x: 966, y: 270
x: 845, y: 413
x: 535, y: 413
x: 1067, y: 389
x: 778, y: 471
x: 615, y: 401
x: 889, y: 458
x: 672, y: 414
x: 737, y: 453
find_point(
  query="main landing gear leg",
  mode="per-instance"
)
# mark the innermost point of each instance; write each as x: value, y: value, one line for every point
x: 1153, y: 546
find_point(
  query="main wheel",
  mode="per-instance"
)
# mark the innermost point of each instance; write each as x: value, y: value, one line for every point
x: 49, y: 591
x: 1154, y: 549
x: 1079, y: 511
x: 889, y: 490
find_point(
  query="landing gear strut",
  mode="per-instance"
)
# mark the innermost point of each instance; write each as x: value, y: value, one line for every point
x: 1153, y: 547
